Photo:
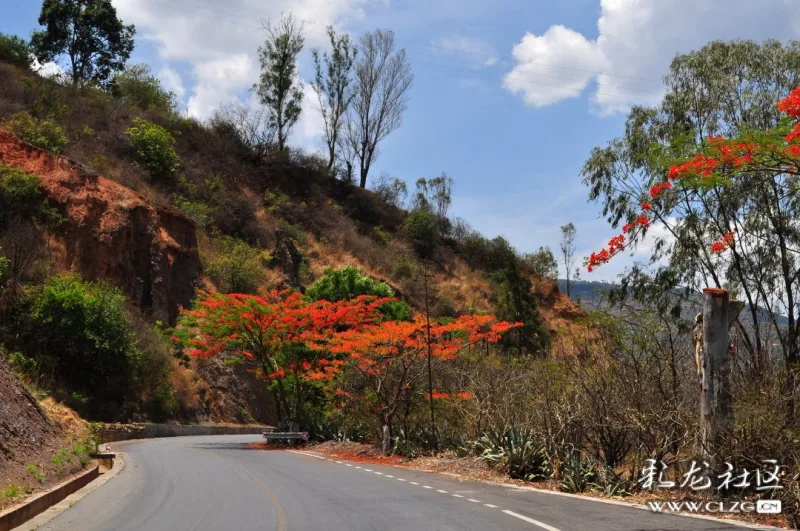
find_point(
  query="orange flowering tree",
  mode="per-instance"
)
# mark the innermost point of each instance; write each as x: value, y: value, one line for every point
x: 270, y: 332
x: 721, y: 182
x: 382, y: 362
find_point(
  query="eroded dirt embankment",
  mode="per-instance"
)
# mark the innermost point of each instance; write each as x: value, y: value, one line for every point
x: 111, y: 232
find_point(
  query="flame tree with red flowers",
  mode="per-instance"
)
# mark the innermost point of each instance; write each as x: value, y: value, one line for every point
x: 270, y: 333
x: 711, y: 177
x: 382, y: 362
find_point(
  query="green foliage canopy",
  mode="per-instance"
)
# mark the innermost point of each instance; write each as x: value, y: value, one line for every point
x: 349, y: 283
x: 88, y: 33
x: 83, y: 335
x: 15, y: 50
x: 154, y: 147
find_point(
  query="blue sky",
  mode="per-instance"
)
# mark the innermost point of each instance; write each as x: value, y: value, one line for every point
x: 509, y: 96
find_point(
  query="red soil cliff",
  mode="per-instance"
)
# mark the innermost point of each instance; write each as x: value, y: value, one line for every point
x: 113, y: 233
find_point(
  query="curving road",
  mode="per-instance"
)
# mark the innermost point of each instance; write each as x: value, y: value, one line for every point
x: 217, y: 483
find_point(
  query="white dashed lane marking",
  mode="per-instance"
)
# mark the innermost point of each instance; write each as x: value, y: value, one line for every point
x: 522, y: 517
x: 531, y: 520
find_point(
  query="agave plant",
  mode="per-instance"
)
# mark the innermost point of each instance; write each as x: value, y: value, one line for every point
x: 578, y: 474
x: 522, y: 456
x: 611, y: 483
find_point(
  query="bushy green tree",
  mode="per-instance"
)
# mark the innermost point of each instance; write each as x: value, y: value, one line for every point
x: 542, y: 263
x: 43, y: 133
x: 88, y: 33
x: 15, y: 50
x: 138, y: 86
x: 82, y: 335
x: 729, y: 89
x: 154, y: 148
x: 349, y: 283
x: 421, y: 228
x: 237, y: 267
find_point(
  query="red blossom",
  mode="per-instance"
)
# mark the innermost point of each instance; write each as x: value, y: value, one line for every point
x: 658, y: 189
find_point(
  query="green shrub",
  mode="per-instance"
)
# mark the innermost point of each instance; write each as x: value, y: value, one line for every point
x: 421, y: 229
x: 236, y: 266
x: 349, y: 283
x: 43, y: 133
x: 36, y: 473
x: 15, y: 50
x: 82, y: 335
x: 404, y: 268
x: 154, y: 149
x: 201, y: 213
x: 11, y: 492
x: 346, y: 283
x: 20, y: 195
x: 139, y: 87
x: 380, y: 236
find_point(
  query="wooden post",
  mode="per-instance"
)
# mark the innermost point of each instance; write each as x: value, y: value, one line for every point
x: 716, y: 413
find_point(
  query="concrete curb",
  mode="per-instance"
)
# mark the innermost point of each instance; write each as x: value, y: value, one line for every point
x: 125, y: 432
x: 61, y: 505
x: 42, y: 501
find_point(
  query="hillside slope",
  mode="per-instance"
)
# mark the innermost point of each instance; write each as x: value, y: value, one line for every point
x: 280, y: 220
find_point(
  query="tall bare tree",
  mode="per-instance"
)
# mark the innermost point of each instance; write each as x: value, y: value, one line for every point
x: 333, y: 86
x: 279, y: 88
x: 382, y: 80
x: 567, y: 245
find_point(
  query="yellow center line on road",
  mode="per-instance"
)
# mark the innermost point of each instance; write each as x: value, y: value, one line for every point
x: 282, y: 519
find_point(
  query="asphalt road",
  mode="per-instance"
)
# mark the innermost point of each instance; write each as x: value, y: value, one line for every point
x: 218, y: 484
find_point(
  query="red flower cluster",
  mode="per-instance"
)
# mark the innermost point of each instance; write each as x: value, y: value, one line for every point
x: 658, y: 189
x: 791, y: 106
x: 724, y: 243
x: 615, y: 245
x: 642, y: 220
x: 444, y: 396
x: 646, y: 207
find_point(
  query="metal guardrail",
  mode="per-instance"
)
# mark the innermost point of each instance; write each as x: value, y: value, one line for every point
x: 289, y: 435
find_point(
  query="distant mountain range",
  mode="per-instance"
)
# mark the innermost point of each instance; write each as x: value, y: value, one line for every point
x: 591, y: 294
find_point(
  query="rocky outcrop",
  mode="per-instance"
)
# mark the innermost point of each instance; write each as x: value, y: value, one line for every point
x: 113, y: 233
x: 288, y: 258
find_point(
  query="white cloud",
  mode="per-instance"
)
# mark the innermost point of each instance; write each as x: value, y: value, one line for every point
x: 172, y: 81
x: 310, y: 127
x: 219, y: 41
x: 635, y: 43
x: 48, y: 70
x: 479, y: 53
x: 536, y: 76
x: 218, y: 81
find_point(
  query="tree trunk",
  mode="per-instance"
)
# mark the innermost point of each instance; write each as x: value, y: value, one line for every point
x: 716, y: 414
x: 386, y: 443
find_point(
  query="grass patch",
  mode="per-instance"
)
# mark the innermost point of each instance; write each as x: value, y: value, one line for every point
x: 36, y: 473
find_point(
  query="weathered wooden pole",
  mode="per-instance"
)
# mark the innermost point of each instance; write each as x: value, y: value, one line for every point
x: 716, y: 413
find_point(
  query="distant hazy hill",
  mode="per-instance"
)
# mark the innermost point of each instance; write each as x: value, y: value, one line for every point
x: 590, y: 294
